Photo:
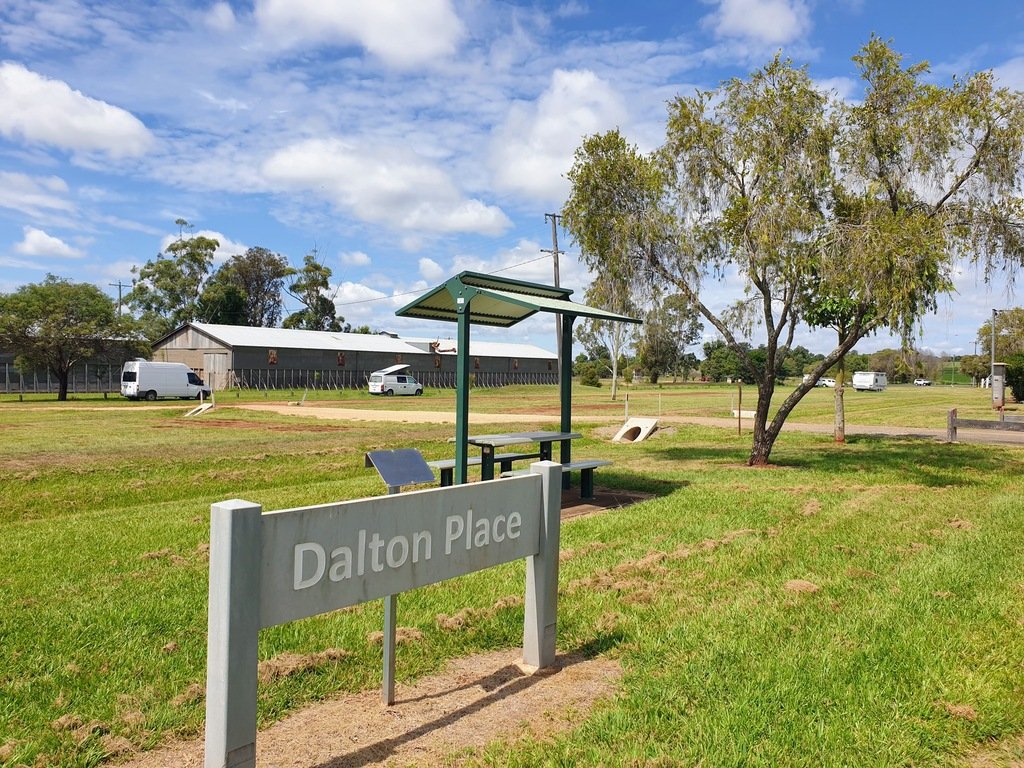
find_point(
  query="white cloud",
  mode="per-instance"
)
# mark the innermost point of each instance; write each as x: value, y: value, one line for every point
x: 1011, y: 74
x: 571, y: 8
x: 40, y: 110
x: 226, y: 247
x: 220, y: 17
x: 382, y: 184
x: 360, y: 304
x: 355, y: 259
x: 430, y: 270
x: 526, y: 261
x: 403, y: 34
x: 533, y: 149
x: 763, y: 22
x: 38, y: 243
x: 34, y: 195
x: 845, y: 88
x: 349, y: 293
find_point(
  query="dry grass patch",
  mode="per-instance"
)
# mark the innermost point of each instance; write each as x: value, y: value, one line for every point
x: 801, y: 586
x: 445, y: 719
x: 287, y: 664
x: 467, y: 616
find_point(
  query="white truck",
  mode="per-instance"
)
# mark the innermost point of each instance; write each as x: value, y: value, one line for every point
x: 869, y: 381
x: 145, y: 380
x: 391, y: 381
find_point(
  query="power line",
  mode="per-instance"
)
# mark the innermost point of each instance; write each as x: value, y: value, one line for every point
x: 410, y: 293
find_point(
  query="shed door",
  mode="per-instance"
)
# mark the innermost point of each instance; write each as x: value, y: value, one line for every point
x: 215, y: 369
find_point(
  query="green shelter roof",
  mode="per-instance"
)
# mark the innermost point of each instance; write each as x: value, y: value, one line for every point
x: 498, y: 301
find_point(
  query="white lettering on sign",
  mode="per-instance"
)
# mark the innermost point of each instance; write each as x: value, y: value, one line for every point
x: 311, y: 558
x: 481, y: 532
x: 321, y: 558
x: 311, y: 562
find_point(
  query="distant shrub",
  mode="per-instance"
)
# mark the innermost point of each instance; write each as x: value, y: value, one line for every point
x: 1015, y: 376
x: 589, y: 375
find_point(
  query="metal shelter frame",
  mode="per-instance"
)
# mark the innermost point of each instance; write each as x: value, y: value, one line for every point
x: 473, y: 297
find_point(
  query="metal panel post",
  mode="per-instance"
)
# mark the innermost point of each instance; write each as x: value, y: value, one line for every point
x: 390, y: 611
x: 387, y: 690
x: 233, y: 634
x: 541, y: 606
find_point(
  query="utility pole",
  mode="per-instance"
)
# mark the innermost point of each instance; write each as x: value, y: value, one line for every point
x: 992, y: 362
x: 553, y: 218
x: 119, y: 286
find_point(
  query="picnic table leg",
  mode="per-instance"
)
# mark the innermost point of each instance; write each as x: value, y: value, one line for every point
x: 586, y: 483
x: 565, y: 456
x: 487, y: 462
x: 545, y: 451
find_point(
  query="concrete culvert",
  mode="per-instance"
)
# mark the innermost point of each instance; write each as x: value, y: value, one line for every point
x: 635, y: 430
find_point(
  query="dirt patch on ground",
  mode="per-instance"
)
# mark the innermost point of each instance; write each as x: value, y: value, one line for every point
x: 243, y: 424
x: 440, y: 720
x: 411, y: 417
x: 1007, y: 753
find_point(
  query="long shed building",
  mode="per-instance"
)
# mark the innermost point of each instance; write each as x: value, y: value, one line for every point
x: 229, y: 356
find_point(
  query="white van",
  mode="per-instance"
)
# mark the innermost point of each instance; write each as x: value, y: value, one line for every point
x: 141, y: 379
x: 869, y: 381
x: 388, y: 381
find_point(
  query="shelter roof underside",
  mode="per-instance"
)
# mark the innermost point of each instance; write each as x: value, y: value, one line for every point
x: 497, y: 302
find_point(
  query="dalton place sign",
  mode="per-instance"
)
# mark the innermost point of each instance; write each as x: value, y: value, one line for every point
x: 268, y: 568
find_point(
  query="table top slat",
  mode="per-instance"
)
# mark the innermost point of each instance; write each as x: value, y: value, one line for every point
x: 518, y: 438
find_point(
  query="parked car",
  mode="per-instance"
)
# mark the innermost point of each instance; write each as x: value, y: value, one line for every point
x: 388, y: 382
x: 922, y: 382
x: 145, y: 380
x: 828, y: 383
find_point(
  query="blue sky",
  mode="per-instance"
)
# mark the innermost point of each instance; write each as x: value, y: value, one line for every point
x: 406, y: 140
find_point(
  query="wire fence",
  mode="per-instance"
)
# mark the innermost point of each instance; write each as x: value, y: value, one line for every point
x: 95, y: 378
x: 327, y: 379
x: 81, y: 379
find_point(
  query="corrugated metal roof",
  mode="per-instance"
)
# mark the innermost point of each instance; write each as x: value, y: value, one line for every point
x: 287, y: 338
x: 484, y: 348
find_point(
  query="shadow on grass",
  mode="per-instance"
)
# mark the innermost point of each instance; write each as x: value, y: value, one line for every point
x: 645, y: 484
x: 921, y: 462
x: 499, y: 685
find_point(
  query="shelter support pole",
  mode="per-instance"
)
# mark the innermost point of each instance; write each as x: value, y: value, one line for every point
x: 565, y: 387
x: 462, y: 393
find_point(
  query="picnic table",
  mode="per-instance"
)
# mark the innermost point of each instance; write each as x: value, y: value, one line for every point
x: 488, y: 444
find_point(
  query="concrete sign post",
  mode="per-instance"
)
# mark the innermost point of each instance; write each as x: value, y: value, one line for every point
x: 275, y: 567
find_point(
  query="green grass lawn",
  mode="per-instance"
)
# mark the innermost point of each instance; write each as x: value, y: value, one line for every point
x: 909, y: 652
x: 899, y: 405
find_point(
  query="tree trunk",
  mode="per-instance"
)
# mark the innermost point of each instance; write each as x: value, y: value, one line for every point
x: 62, y: 391
x: 764, y: 434
x: 615, y: 376
x: 840, y: 423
